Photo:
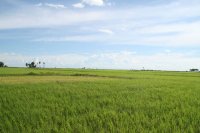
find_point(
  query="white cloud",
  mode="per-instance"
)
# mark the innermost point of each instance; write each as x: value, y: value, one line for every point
x: 76, y: 38
x: 47, y: 18
x: 110, y: 60
x: 107, y: 31
x: 83, y: 3
x: 78, y: 5
x: 57, y: 6
x: 93, y: 2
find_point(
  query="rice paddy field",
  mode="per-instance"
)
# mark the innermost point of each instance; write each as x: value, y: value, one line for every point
x: 98, y: 101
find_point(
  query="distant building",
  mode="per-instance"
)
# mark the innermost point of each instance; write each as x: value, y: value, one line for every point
x: 194, y: 70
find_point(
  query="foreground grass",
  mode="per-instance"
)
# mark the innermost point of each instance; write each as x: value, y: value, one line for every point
x: 73, y: 100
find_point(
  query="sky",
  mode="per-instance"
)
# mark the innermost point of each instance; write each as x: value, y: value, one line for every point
x: 101, y: 34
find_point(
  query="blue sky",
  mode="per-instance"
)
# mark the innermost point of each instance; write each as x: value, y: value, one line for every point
x: 116, y: 34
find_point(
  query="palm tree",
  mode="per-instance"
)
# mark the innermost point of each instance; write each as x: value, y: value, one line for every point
x: 43, y: 64
x: 39, y: 64
x: 27, y: 64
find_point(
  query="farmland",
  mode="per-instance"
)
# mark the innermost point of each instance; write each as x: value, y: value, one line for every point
x: 78, y: 100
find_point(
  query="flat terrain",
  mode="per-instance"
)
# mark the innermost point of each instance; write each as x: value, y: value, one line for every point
x: 75, y: 100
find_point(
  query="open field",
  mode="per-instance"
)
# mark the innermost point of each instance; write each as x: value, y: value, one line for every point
x: 75, y: 100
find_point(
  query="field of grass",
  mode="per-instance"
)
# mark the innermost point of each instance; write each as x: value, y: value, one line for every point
x: 81, y: 101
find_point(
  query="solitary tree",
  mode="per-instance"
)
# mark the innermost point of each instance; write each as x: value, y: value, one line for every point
x: 1, y: 64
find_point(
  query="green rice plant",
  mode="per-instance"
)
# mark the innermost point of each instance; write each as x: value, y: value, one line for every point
x: 75, y: 100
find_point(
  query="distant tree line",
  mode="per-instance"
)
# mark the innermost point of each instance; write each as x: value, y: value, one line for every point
x: 2, y: 64
x: 34, y: 64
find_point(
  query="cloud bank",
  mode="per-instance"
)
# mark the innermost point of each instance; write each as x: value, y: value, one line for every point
x: 110, y: 60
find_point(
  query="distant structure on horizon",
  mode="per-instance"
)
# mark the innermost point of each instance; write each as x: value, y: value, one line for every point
x: 194, y: 70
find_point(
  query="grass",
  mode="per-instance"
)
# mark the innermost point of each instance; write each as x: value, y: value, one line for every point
x: 75, y: 100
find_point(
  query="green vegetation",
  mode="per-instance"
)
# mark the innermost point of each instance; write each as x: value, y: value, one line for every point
x: 76, y: 100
